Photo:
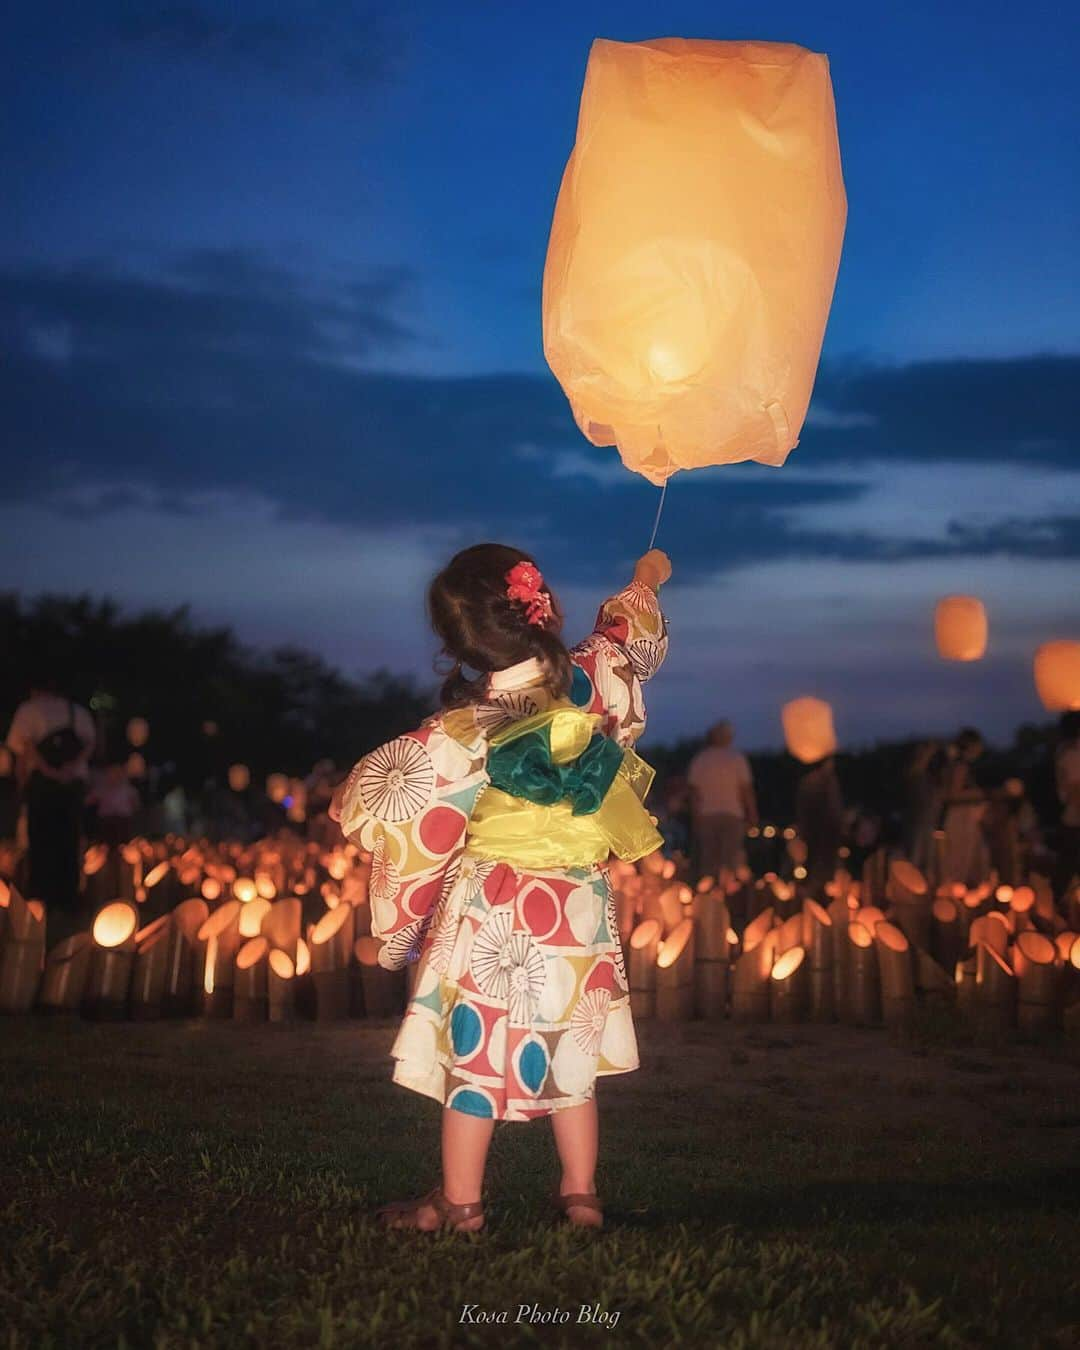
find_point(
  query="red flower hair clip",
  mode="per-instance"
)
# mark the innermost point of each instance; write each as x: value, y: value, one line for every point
x: 525, y: 585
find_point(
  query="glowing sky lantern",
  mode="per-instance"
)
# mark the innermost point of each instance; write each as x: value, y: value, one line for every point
x: 808, y: 729
x: 1057, y: 676
x: 960, y: 628
x: 694, y: 250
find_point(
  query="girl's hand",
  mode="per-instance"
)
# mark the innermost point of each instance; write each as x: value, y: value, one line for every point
x: 653, y: 569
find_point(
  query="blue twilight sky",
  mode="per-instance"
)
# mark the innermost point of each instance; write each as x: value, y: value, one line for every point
x: 269, y: 317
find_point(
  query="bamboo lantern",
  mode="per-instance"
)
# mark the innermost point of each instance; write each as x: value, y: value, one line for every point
x: 932, y: 980
x: 909, y: 895
x: 1021, y: 908
x: 750, y: 999
x: 995, y: 988
x: 937, y: 869
x: 788, y: 985
x: 239, y: 777
x: 159, y: 886
x: 991, y: 929
x: 675, y: 974
x: 965, y: 985
x: 712, y: 950
x: 946, y: 936
x: 67, y: 968
x: 179, y: 998
x: 96, y: 877
x: 644, y: 944
x: 818, y: 941
x: 250, y: 994
x: 874, y: 877
x: 282, y: 924
x: 1057, y: 676
x: 789, y: 934
x: 280, y: 985
x: 1038, y: 982
x: 220, y: 935
x: 683, y: 316
x: 330, y: 964
x: 808, y: 729
x: 758, y: 929
x: 671, y: 908
x: 382, y: 988
x: 251, y: 917
x: 1065, y: 942
x: 894, y: 972
x: 150, y: 970
x: 277, y: 787
x: 863, y: 1003
x: 245, y: 890
x: 869, y: 916
x: 840, y: 913
x: 960, y: 628
x: 111, y: 962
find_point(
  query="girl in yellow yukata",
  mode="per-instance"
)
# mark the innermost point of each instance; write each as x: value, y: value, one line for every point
x: 489, y: 827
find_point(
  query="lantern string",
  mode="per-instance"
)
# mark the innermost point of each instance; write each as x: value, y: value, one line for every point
x: 659, y: 512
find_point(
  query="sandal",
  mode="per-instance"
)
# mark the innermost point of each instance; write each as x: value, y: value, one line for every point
x: 579, y: 1200
x: 405, y: 1213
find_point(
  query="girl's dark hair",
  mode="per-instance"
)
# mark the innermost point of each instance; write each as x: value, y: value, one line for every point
x: 481, y: 628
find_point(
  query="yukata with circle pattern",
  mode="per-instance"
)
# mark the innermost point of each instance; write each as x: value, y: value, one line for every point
x: 520, y: 997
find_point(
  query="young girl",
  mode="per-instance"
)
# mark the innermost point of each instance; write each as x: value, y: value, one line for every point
x: 488, y: 828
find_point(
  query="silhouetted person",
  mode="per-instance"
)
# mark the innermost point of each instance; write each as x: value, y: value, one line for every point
x: 1067, y: 774
x: 922, y: 807
x: 722, y: 801
x: 819, y: 818
x: 967, y: 857
x: 52, y: 737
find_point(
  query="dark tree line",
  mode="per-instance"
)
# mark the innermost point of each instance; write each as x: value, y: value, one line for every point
x: 279, y: 711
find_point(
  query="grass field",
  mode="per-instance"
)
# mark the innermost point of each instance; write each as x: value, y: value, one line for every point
x: 202, y: 1184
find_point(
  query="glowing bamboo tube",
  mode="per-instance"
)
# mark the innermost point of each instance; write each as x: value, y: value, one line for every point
x: 910, y: 897
x: 992, y: 930
x: 652, y: 887
x: 946, y: 933
x: 282, y: 924
x: 382, y: 988
x: 788, y: 985
x: 758, y: 929
x: 1064, y: 943
x: 874, y: 875
x: 179, y: 997
x: 280, y: 985
x: 112, y: 959
x: 818, y: 941
x: 894, y: 972
x: 750, y: 979
x: 965, y: 986
x: 150, y: 969
x: 789, y: 934
x: 67, y: 968
x: 250, y: 996
x: 96, y: 874
x: 671, y: 908
x: 840, y: 913
x: 869, y: 916
x: 863, y: 1006
x: 644, y: 943
x: 220, y: 935
x: 712, y: 952
x: 329, y: 966
x: 675, y: 974
x: 995, y: 988
x: 1038, y: 982
x: 251, y: 917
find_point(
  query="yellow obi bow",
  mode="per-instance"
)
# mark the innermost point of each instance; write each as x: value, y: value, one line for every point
x: 561, y: 795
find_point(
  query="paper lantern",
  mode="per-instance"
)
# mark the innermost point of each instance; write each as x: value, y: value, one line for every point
x: 694, y: 250
x: 808, y: 729
x: 960, y: 628
x: 239, y: 777
x: 1057, y: 676
x: 138, y: 732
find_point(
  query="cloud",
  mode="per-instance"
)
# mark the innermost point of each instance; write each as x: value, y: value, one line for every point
x: 224, y: 371
x: 346, y: 44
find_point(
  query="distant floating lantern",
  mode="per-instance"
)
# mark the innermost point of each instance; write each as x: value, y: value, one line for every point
x: 808, y: 729
x: 683, y: 313
x: 960, y: 628
x: 239, y: 777
x: 138, y: 732
x: 1057, y: 676
x: 277, y: 787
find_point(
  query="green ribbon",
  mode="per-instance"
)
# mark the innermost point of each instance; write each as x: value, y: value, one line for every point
x: 524, y: 767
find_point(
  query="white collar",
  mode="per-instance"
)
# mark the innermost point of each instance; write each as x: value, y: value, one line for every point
x: 521, y: 676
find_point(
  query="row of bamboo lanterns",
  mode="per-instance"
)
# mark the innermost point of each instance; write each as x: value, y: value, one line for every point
x: 850, y: 961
